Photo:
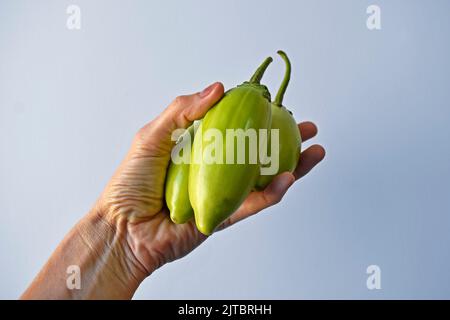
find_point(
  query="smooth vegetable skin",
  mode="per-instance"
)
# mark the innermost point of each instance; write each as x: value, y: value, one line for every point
x: 177, y: 196
x: 289, y: 135
x: 217, y: 190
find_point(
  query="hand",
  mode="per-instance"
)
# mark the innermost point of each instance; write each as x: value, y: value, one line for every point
x: 133, y: 201
x: 128, y: 234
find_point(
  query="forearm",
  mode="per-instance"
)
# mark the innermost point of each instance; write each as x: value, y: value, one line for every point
x: 108, y: 269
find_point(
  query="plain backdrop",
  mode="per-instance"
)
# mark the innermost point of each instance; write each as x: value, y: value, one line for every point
x: 71, y: 101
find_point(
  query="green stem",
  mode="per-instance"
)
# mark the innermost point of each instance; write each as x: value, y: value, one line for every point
x: 257, y: 76
x: 287, y: 76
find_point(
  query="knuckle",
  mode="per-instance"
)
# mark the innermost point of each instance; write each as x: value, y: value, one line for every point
x: 143, y: 133
x: 275, y: 199
x: 180, y: 101
x: 140, y: 134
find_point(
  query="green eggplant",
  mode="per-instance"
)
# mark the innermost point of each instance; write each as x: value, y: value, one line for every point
x: 289, y: 145
x: 176, y: 188
x: 217, y: 188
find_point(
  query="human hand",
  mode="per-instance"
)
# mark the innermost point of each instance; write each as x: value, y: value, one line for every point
x: 133, y: 201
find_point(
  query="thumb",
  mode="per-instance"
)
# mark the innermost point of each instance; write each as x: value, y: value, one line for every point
x: 183, y: 111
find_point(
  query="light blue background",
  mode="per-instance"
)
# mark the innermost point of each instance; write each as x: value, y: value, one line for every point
x: 70, y: 102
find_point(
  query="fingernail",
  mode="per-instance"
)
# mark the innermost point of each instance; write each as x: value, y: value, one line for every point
x: 283, y: 183
x: 207, y: 90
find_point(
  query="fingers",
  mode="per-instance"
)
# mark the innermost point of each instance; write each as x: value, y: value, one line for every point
x: 307, y: 129
x: 260, y: 200
x: 275, y: 191
x: 308, y: 160
x: 311, y: 156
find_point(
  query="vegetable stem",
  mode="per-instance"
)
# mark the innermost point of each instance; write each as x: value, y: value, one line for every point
x: 257, y: 76
x: 287, y: 76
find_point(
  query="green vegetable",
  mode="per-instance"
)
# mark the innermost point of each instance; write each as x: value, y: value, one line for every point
x: 289, y: 134
x: 176, y: 189
x: 216, y: 190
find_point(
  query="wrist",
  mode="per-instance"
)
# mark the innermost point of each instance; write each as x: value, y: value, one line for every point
x: 137, y: 236
x: 116, y: 271
x: 92, y: 262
